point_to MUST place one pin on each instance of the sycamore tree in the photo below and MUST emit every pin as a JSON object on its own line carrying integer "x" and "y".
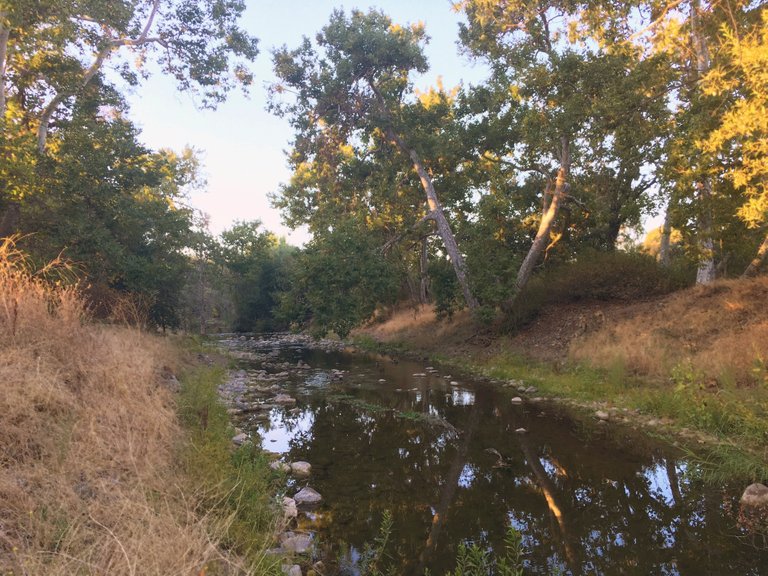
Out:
{"x": 349, "y": 96}
{"x": 51, "y": 50}
{"x": 742, "y": 131}
{"x": 563, "y": 114}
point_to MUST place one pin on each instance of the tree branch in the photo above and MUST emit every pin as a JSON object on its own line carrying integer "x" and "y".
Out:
{"x": 110, "y": 44}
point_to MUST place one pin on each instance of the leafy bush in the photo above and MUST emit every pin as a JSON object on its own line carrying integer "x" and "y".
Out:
{"x": 605, "y": 276}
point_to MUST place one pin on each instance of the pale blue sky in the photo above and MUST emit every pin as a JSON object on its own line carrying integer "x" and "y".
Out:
{"x": 242, "y": 145}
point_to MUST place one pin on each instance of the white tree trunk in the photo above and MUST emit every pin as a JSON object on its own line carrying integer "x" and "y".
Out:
{"x": 762, "y": 252}
{"x": 705, "y": 274}
{"x": 4, "y": 36}
{"x": 549, "y": 213}
{"x": 665, "y": 240}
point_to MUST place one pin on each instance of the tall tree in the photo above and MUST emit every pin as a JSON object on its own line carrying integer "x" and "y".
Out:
{"x": 566, "y": 113}
{"x": 353, "y": 89}
{"x": 742, "y": 131}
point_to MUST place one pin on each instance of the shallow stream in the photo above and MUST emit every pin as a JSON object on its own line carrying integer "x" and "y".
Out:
{"x": 454, "y": 461}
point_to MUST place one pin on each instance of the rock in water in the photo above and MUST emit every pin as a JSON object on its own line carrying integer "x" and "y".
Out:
{"x": 289, "y": 508}
{"x": 280, "y": 467}
{"x": 602, "y": 415}
{"x": 301, "y": 469}
{"x": 755, "y": 495}
{"x": 298, "y": 543}
{"x": 307, "y": 497}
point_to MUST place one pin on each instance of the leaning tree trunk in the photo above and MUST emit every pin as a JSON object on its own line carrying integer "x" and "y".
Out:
{"x": 762, "y": 252}
{"x": 435, "y": 209}
{"x": 443, "y": 226}
{"x": 548, "y": 216}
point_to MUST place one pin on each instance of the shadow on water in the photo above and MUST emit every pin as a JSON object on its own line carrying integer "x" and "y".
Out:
{"x": 445, "y": 456}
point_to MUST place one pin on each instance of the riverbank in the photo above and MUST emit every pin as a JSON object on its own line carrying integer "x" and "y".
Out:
{"x": 110, "y": 463}
{"x": 691, "y": 366}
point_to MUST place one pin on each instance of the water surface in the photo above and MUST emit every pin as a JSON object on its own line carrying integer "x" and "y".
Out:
{"x": 446, "y": 456}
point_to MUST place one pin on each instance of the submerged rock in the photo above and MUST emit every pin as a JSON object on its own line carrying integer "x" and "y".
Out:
{"x": 283, "y": 399}
{"x": 755, "y": 495}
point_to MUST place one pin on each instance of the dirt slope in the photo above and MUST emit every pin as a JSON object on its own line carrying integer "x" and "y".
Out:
{"x": 718, "y": 331}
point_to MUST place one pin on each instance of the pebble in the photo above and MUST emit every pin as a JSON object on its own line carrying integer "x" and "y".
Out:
{"x": 516, "y": 400}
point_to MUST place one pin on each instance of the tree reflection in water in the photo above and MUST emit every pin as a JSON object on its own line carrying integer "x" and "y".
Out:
{"x": 587, "y": 500}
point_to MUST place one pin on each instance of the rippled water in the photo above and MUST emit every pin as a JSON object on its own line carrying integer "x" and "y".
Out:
{"x": 442, "y": 455}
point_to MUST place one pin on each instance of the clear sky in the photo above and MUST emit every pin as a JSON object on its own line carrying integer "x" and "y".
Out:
{"x": 242, "y": 146}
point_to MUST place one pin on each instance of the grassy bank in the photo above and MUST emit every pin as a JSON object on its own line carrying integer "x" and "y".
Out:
{"x": 690, "y": 366}
{"x": 99, "y": 475}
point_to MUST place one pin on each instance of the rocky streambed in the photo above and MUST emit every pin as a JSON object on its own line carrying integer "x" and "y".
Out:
{"x": 451, "y": 459}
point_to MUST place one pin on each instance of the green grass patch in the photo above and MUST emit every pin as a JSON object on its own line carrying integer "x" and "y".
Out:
{"x": 735, "y": 418}
{"x": 235, "y": 487}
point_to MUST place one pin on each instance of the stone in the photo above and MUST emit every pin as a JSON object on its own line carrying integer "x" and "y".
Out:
{"x": 755, "y": 495}
{"x": 240, "y": 439}
{"x": 296, "y": 543}
{"x": 289, "y": 508}
{"x": 602, "y": 415}
{"x": 517, "y": 400}
{"x": 293, "y": 570}
{"x": 301, "y": 469}
{"x": 454, "y": 383}
{"x": 307, "y": 497}
{"x": 521, "y": 431}
{"x": 281, "y": 467}
{"x": 283, "y": 399}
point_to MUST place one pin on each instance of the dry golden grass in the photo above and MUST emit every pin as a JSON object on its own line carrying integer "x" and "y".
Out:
{"x": 88, "y": 437}
{"x": 719, "y": 332}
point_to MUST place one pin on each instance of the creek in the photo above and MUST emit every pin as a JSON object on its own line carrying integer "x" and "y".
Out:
{"x": 454, "y": 460}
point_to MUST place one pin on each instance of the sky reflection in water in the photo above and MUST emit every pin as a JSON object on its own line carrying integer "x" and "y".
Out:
{"x": 446, "y": 462}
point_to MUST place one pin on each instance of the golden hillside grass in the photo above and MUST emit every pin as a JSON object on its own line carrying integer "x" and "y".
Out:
{"x": 716, "y": 334}
{"x": 88, "y": 436}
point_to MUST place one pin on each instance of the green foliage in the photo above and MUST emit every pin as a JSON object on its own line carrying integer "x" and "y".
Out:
{"x": 339, "y": 280}
{"x": 114, "y": 209}
{"x": 609, "y": 276}
{"x": 472, "y": 560}
{"x": 373, "y": 559}
{"x": 260, "y": 266}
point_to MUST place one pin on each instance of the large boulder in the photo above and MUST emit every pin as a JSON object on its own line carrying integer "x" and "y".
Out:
{"x": 307, "y": 497}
